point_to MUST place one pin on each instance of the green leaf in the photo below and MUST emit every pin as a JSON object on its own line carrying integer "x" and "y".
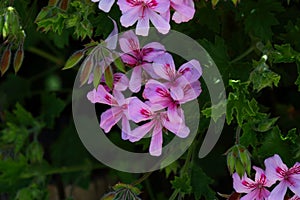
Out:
{"x": 261, "y": 17}
{"x": 262, "y": 76}
{"x": 51, "y": 108}
{"x": 172, "y": 168}
{"x": 219, "y": 111}
{"x": 238, "y": 104}
{"x": 23, "y": 116}
{"x": 200, "y": 184}
{"x": 284, "y": 54}
{"x": 109, "y": 79}
{"x": 182, "y": 184}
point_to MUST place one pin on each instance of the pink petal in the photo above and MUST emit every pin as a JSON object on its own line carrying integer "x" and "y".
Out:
{"x": 295, "y": 197}
{"x": 183, "y": 12}
{"x": 124, "y": 5}
{"x": 112, "y": 39}
{"x": 272, "y": 165}
{"x": 142, "y": 27}
{"x": 148, "y": 67}
{"x": 139, "y": 132}
{"x": 101, "y": 96}
{"x": 177, "y": 93}
{"x": 191, "y": 70}
{"x": 294, "y": 185}
{"x": 109, "y": 118}
{"x": 173, "y": 114}
{"x": 179, "y": 129}
{"x": 156, "y": 141}
{"x": 129, "y": 59}
{"x": 139, "y": 111}
{"x": 130, "y": 17}
{"x": 164, "y": 67}
{"x": 129, "y": 42}
{"x": 239, "y": 184}
{"x": 126, "y": 131}
{"x": 152, "y": 50}
{"x": 166, "y": 15}
{"x": 136, "y": 79}
{"x": 159, "y": 22}
{"x": 191, "y": 92}
{"x": 162, "y": 6}
{"x": 278, "y": 192}
{"x": 121, "y": 82}
{"x": 106, "y": 5}
{"x": 253, "y": 195}
{"x": 157, "y": 93}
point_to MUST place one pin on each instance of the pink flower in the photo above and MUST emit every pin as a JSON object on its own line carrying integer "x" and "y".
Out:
{"x": 144, "y": 11}
{"x": 139, "y": 58}
{"x": 139, "y": 111}
{"x": 158, "y": 93}
{"x": 117, "y": 112}
{"x": 276, "y": 170}
{"x": 295, "y": 197}
{"x": 184, "y": 84}
{"x": 120, "y": 82}
{"x": 184, "y": 11}
{"x": 256, "y": 190}
{"x": 104, "y": 5}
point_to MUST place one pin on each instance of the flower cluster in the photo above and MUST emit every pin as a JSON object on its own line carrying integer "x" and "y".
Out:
{"x": 156, "y": 11}
{"x": 275, "y": 171}
{"x": 165, "y": 90}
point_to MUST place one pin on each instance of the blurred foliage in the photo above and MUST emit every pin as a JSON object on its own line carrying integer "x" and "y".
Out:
{"x": 255, "y": 44}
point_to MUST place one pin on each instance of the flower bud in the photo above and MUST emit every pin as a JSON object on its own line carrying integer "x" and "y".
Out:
{"x": 86, "y": 69}
{"x": 239, "y": 168}
{"x": 244, "y": 157}
{"x": 5, "y": 60}
{"x": 231, "y": 162}
{"x": 74, "y": 59}
{"x": 18, "y": 59}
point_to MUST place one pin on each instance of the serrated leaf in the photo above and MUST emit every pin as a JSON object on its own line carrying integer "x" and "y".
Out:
{"x": 262, "y": 77}
{"x": 219, "y": 110}
{"x": 23, "y": 116}
{"x": 261, "y": 18}
{"x": 284, "y": 54}
{"x": 200, "y": 184}
{"x": 182, "y": 184}
{"x": 74, "y": 59}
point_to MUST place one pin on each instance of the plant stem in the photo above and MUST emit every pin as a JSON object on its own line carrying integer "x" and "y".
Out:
{"x": 144, "y": 177}
{"x": 46, "y": 55}
{"x": 184, "y": 168}
{"x": 61, "y": 170}
{"x": 237, "y": 135}
{"x": 243, "y": 55}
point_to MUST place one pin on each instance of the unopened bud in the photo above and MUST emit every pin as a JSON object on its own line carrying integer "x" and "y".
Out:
{"x": 86, "y": 69}
{"x": 18, "y": 59}
{"x": 5, "y": 60}
{"x": 74, "y": 59}
{"x": 231, "y": 162}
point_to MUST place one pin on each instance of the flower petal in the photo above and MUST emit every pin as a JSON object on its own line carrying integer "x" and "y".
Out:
{"x": 106, "y": 5}
{"x": 279, "y": 191}
{"x": 136, "y": 79}
{"x": 139, "y": 111}
{"x": 109, "y": 118}
{"x": 101, "y": 96}
{"x": 191, "y": 92}
{"x": 121, "y": 82}
{"x": 156, "y": 141}
{"x": 157, "y": 93}
{"x": 294, "y": 185}
{"x": 159, "y": 22}
{"x": 272, "y": 165}
{"x": 239, "y": 184}
{"x": 139, "y": 132}
{"x": 164, "y": 67}
{"x": 191, "y": 70}
{"x": 152, "y": 50}
{"x": 112, "y": 39}
{"x": 130, "y": 17}
{"x": 142, "y": 27}
{"x": 129, "y": 42}
{"x": 126, "y": 131}
{"x": 179, "y": 129}
{"x": 253, "y": 195}
{"x": 184, "y": 10}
